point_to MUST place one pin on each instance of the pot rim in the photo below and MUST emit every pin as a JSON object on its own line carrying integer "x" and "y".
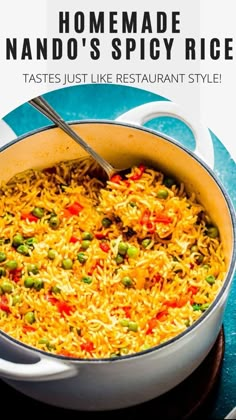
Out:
{"x": 229, "y": 275}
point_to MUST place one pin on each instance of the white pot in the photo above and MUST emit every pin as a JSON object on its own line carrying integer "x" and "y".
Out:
{"x": 133, "y": 379}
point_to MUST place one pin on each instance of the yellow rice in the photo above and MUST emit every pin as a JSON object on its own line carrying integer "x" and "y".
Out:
{"x": 112, "y": 303}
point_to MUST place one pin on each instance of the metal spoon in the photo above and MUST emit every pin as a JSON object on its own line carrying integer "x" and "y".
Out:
{"x": 42, "y": 105}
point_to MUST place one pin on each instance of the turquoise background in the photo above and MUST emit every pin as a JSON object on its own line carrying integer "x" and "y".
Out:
{"x": 108, "y": 102}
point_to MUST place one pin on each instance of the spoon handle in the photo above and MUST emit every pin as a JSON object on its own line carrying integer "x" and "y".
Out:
{"x": 43, "y": 106}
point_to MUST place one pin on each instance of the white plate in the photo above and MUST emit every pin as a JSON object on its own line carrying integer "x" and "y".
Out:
{"x": 6, "y": 133}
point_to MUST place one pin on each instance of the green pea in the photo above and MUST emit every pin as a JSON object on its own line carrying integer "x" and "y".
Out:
{"x": 29, "y": 282}
{"x": 87, "y": 236}
{"x": 2, "y": 272}
{"x": 124, "y": 322}
{"x": 54, "y": 222}
{"x": 132, "y": 204}
{"x": 127, "y": 281}
{"x": 124, "y": 351}
{"x": 87, "y": 279}
{"x": 43, "y": 340}
{"x": 205, "y": 306}
{"x": 194, "y": 248}
{"x": 169, "y": 182}
{"x": 55, "y": 289}
{"x": 212, "y": 232}
{"x": 196, "y": 307}
{"x": 132, "y": 251}
{"x": 82, "y": 257}
{"x": 133, "y": 326}
{"x": 162, "y": 194}
{"x": 145, "y": 347}
{"x": 30, "y": 317}
{"x": 17, "y": 240}
{"x": 210, "y": 279}
{"x": 6, "y": 287}
{"x": 119, "y": 259}
{"x": 85, "y": 244}
{"x": 106, "y": 222}
{"x": 23, "y": 249}
{"x": 146, "y": 242}
{"x": 51, "y": 254}
{"x": 30, "y": 242}
{"x": 47, "y": 343}
{"x": 122, "y": 248}
{"x": 199, "y": 259}
{"x": 38, "y": 284}
{"x": 50, "y": 347}
{"x": 3, "y": 256}
{"x": 113, "y": 355}
{"x": 32, "y": 269}
{"x": 38, "y": 212}
{"x": 11, "y": 265}
{"x": 67, "y": 264}
{"x": 16, "y": 299}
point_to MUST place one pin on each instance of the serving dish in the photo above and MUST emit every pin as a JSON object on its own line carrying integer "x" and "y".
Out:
{"x": 129, "y": 380}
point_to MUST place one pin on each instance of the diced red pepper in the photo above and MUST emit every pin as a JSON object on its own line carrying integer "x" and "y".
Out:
{"x": 161, "y": 218}
{"x": 104, "y": 246}
{"x": 139, "y": 172}
{"x": 156, "y": 278}
{"x": 171, "y": 303}
{"x": 97, "y": 264}
{"x": 4, "y": 304}
{"x": 67, "y": 213}
{"x": 50, "y": 298}
{"x": 88, "y": 346}
{"x": 116, "y": 179}
{"x": 74, "y": 208}
{"x": 64, "y": 308}
{"x": 145, "y": 217}
{"x": 29, "y": 216}
{"x": 66, "y": 353}
{"x": 182, "y": 301}
{"x": 145, "y": 220}
{"x": 152, "y": 323}
{"x": 99, "y": 235}
{"x": 73, "y": 239}
{"x": 161, "y": 316}
{"x": 150, "y": 227}
{"x": 193, "y": 290}
{"x": 127, "y": 310}
{"x": 28, "y": 328}
{"x": 15, "y": 275}
{"x": 176, "y": 303}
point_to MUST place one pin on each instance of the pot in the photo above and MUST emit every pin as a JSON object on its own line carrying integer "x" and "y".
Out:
{"x": 108, "y": 384}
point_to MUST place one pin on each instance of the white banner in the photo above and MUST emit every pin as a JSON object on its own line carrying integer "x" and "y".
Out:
{"x": 182, "y": 50}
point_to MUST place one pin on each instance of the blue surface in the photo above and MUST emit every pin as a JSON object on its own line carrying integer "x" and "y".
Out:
{"x": 108, "y": 102}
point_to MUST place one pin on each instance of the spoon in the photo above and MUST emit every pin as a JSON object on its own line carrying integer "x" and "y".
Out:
{"x": 43, "y": 106}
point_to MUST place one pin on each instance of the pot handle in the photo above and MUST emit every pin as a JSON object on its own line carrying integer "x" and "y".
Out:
{"x": 143, "y": 113}
{"x": 44, "y": 370}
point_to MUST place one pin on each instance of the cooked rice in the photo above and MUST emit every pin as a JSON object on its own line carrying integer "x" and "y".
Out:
{"x": 153, "y": 262}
